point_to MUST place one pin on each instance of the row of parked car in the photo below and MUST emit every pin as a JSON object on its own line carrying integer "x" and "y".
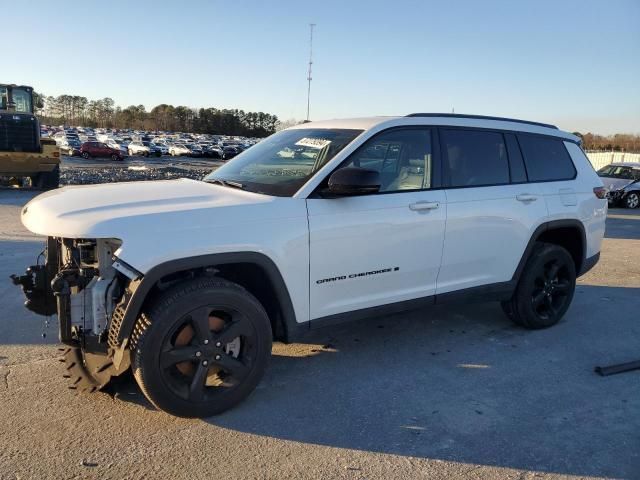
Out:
{"x": 116, "y": 144}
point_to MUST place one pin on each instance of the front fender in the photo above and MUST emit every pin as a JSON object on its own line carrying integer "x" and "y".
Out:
{"x": 140, "y": 288}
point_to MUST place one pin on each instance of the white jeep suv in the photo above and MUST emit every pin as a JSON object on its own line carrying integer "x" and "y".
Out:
{"x": 188, "y": 282}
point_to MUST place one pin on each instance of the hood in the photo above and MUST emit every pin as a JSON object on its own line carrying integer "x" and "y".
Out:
{"x": 120, "y": 210}
{"x": 613, "y": 184}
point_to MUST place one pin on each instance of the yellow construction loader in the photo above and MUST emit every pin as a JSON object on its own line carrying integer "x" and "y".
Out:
{"x": 22, "y": 152}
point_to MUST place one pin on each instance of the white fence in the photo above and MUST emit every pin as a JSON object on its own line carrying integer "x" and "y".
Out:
{"x": 600, "y": 159}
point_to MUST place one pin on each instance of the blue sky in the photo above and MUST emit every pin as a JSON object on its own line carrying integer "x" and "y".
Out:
{"x": 573, "y": 63}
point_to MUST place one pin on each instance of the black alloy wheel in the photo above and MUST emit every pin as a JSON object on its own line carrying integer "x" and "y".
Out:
{"x": 211, "y": 348}
{"x": 553, "y": 286}
{"x": 202, "y": 348}
{"x": 545, "y": 288}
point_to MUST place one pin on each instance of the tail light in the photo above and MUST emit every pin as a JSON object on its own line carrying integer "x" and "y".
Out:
{"x": 600, "y": 192}
{"x": 56, "y": 154}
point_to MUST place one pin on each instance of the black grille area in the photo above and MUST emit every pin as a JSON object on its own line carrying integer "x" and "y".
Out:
{"x": 19, "y": 133}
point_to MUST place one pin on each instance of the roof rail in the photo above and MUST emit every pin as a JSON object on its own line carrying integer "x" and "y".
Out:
{"x": 481, "y": 117}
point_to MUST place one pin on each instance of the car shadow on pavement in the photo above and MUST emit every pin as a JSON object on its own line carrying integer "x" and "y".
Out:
{"x": 623, "y": 224}
{"x": 462, "y": 384}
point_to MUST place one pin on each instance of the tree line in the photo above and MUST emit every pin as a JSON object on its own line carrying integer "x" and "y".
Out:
{"x": 620, "y": 142}
{"x": 75, "y": 110}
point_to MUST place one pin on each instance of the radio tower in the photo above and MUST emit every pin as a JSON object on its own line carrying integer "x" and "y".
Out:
{"x": 311, "y": 25}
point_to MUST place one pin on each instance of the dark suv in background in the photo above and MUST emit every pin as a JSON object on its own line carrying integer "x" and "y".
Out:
{"x": 99, "y": 149}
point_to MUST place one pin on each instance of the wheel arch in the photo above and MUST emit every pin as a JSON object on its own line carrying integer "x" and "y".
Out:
{"x": 254, "y": 271}
{"x": 567, "y": 233}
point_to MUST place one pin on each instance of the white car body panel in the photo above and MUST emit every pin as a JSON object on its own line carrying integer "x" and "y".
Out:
{"x": 350, "y": 236}
{"x": 167, "y": 220}
{"x": 591, "y": 211}
{"x": 487, "y": 231}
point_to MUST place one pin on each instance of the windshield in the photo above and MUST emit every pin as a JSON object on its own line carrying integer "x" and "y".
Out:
{"x": 282, "y": 163}
{"x": 22, "y": 99}
{"x": 3, "y": 98}
{"x": 615, "y": 171}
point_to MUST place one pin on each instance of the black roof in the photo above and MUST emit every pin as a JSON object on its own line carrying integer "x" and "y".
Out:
{"x": 13, "y": 85}
{"x": 481, "y": 117}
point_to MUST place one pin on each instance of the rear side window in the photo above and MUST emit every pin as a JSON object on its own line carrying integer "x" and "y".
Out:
{"x": 475, "y": 158}
{"x": 546, "y": 158}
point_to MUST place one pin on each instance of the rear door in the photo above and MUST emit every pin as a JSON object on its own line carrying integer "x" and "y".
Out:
{"x": 549, "y": 165}
{"x": 491, "y": 209}
{"x": 382, "y": 248}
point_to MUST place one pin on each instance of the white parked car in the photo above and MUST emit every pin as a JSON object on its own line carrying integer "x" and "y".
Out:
{"x": 189, "y": 285}
{"x": 178, "y": 149}
{"x": 138, "y": 148}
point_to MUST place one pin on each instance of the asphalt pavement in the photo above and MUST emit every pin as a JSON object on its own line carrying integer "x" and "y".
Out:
{"x": 444, "y": 392}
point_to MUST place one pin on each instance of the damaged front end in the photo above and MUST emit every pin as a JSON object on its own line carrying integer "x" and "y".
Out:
{"x": 36, "y": 282}
{"x": 84, "y": 284}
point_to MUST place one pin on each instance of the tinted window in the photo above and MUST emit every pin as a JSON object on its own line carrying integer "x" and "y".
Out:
{"x": 475, "y": 158}
{"x": 516, "y": 162}
{"x": 546, "y": 158}
{"x": 402, "y": 157}
{"x": 615, "y": 171}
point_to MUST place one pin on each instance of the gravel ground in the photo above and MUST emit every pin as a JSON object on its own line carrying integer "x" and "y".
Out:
{"x": 440, "y": 393}
{"x": 77, "y": 171}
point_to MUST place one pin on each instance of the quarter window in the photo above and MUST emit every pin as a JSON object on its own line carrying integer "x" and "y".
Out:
{"x": 403, "y": 158}
{"x": 546, "y": 158}
{"x": 475, "y": 158}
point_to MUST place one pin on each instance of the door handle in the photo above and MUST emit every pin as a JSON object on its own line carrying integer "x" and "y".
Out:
{"x": 526, "y": 197}
{"x": 424, "y": 206}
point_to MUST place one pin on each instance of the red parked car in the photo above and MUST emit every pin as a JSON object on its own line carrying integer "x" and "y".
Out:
{"x": 99, "y": 149}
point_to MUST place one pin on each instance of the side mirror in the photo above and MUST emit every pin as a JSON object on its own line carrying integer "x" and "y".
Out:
{"x": 354, "y": 181}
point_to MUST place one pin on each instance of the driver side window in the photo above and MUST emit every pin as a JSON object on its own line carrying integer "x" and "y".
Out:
{"x": 402, "y": 157}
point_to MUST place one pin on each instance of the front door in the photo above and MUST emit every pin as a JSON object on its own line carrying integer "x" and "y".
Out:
{"x": 381, "y": 248}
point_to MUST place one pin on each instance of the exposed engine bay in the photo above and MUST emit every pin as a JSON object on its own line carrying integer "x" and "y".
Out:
{"x": 81, "y": 281}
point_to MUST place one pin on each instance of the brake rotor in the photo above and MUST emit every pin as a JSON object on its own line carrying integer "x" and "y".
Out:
{"x": 184, "y": 337}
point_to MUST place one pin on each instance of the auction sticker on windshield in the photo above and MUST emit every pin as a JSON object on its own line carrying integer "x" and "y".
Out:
{"x": 318, "y": 143}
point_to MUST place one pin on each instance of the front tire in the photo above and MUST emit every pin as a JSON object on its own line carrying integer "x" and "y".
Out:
{"x": 545, "y": 288}
{"x": 632, "y": 200}
{"x": 86, "y": 155}
{"x": 201, "y": 348}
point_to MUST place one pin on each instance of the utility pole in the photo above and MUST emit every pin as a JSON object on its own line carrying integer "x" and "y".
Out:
{"x": 311, "y": 25}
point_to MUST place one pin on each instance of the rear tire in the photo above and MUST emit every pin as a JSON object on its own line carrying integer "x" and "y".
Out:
{"x": 545, "y": 288}
{"x": 197, "y": 322}
{"x": 86, "y": 155}
{"x": 632, "y": 200}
